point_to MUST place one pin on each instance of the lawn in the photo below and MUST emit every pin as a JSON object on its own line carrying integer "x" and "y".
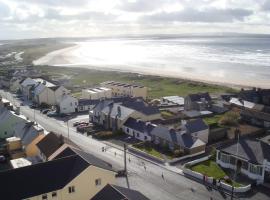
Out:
{"x": 148, "y": 150}
{"x": 166, "y": 115}
{"x": 210, "y": 168}
{"x": 158, "y": 86}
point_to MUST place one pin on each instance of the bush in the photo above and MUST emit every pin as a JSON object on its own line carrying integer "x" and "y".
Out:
{"x": 177, "y": 153}
{"x": 230, "y": 119}
{"x": 213, "y": 154}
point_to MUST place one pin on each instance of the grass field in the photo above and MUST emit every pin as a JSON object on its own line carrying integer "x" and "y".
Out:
{"x": 158, "y": 86}
{"x": 211, "y": 169}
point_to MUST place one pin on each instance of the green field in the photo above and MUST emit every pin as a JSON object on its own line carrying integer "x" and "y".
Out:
{"x": 158, "y": 86}
{"x": 211, "y": 169}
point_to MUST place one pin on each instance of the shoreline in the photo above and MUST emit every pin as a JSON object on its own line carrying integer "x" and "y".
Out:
{"x": 51, "y": 58}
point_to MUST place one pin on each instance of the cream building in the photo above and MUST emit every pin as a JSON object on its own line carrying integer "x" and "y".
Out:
{"x": 125, "y": 89}
{"x": 97, "y": 93}
{"x": 74, "y": 177}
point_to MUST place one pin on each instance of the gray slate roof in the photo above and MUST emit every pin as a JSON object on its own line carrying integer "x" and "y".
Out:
{"x": 254, "y": 151}
{"x": 199, "y": 96}
{"x": 139, "y": 125}
{"x": 113, "y": 192}
{"x": 196, "y": 125}
{"x": 141, "y": 107}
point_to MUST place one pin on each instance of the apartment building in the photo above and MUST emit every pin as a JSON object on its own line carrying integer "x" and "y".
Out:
{"x": 125, "y": 89}
{"x": 97, "y": 93}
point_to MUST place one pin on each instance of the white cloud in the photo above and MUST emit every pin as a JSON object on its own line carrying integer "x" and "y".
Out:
{"x": 50, "y": 18}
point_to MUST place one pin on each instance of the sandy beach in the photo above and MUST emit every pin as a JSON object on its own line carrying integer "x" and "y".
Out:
{"x": 163, "y": 60}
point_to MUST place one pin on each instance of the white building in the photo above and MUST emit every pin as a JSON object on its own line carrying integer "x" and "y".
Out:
{"x": 174, "y": 100}
{"x": 67, "y": 104}
{"x": 248, "y": 157}
{"x": 97, "y": 93}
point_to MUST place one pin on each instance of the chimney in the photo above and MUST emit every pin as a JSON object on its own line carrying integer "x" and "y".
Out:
{"x": 138, "y": 120}
{"x": 44, "y": 82}
{"x": 17, "y": 110}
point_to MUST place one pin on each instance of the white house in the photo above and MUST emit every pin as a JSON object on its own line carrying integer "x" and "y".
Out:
{"x": 67, "y": 104}
{"x": 97, "y": 93}
{"x": 248, "y": 157}
{"x": 138, "y": 129}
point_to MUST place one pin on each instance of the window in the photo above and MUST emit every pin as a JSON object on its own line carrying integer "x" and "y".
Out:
{"x": 127, "y": 130}
{"x": 145, "y": 137}
{"x": 232, "y": 160}
{"x": 71, "y": 189}
{"x": 54, "y": 194}
{"x": 76, "y": 104}
{"x": 98, "y": 181}
{"x": 225, "y": 158}
{"x": 44, "y": 196}
{"x": 138, "y": 134}
{"x": 255, "y": 169}
{"x": 5, "y": 132}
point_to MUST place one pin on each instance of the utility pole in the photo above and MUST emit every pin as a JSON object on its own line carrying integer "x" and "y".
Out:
{"x": 68, "y": 128}
{"x": 34, "y": 115}
{"x": 125, "y": 158}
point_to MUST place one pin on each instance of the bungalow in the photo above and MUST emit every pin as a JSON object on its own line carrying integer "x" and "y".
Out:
{"x": 248, "y": 157}
{"x": 199, "y": 102}
{"x": 197, "y": 128}
{"x": 113, "y": 192}
{"x": 80, "y": 176}
{"x": 138, "y": 129}
{"x": 67, "y": 104}
{"x": 177, "y": 140}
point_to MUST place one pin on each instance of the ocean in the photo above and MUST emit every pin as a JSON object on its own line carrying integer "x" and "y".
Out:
{"x": 236, "y": 60}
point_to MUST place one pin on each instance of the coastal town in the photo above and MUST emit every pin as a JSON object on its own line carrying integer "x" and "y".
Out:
{"x": 114, "y": 141}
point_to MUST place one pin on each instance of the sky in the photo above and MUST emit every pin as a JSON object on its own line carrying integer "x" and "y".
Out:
{"x": 85, "y": 18}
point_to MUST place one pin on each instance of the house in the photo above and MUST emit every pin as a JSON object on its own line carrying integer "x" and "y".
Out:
{"x": 25, "y": 86}
{"x": 257, "y": 118}
{"x": 112, "y": 115}
{"x": 66, "y": 178}
{"x": 14, "y": 147}
{"x": 31, "y": 149}
{"x": 87, "y": 104}
{"x": 173, "y": 100}
{"x": 67, "y": 104}
{"x": 256, "y": 95}
{"x": 49, "y": 144}
{"x": 248, "y": 156}
{"x": 113, "y": 192}
{"x": 138, "y": 129}
{"x": 243, "y": 104}
{"x": 146, "y": 111}
{"x": 197, "y": 128}
{"x": 8, "y": 120}
{"x": 199, "y": 101}
{"x": 177, "y": 140}
{"x": 97, "y": 93}
{"x": 125, "y": 89}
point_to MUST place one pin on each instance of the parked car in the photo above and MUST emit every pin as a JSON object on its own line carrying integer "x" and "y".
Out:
{"x": 52, "y": 114}
{"x": 83, "y": 128}
{"x": 80, "y": 123}
{"x": 45, "y": 111}
{"x": 33, "y": 106}
{"x": 2, "y": 159}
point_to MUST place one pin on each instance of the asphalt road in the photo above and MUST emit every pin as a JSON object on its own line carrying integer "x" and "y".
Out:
{"x": 142, "y": 175}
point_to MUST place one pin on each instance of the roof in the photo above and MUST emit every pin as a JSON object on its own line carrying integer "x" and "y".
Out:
{"x": 254, "y": 151}
{"x": 86, "y": 102}
{"x": 141, "y": 107}
{"x": 113, "y": 192}
{"x": 256, "y": 114}
{"x": 55, "y": 87}
{"x": 200, "y": 96}
{"x": 175, "y": 99}
{"x": 115, "y": 83}
{"x": 196, "y": 125}
{"x": 138, "y": 125}
{"x": 49, "y": 144}
{"x": 40, "y": 178}
{"x": 117, "y": 110}
{"x": 67, "y": 150}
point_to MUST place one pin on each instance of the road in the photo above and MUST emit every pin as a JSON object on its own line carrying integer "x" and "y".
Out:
{"x": 143, "y": 175}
